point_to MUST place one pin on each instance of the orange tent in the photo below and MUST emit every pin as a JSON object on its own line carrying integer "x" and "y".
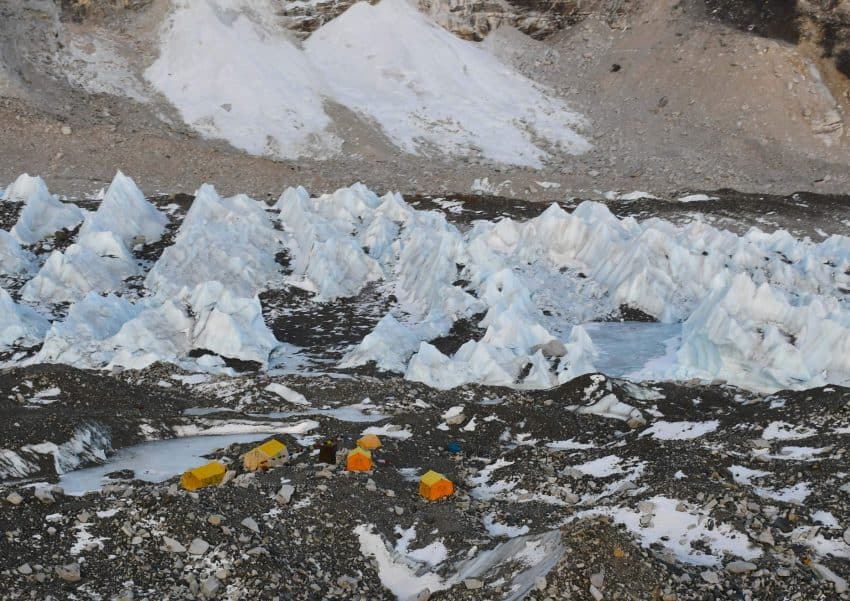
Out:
{"x": 359, "y": 460}
{"x": 206, "y": 475}
{"x": 433, "y": 486}
{"x": 370, "y": 442}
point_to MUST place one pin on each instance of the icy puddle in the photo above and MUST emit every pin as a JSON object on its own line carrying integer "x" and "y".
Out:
{"x": 152, "y": 461}
{"x": 626, "y": 348}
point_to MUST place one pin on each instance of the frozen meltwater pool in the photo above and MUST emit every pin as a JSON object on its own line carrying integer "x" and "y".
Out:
{"x": 627, "y": 348}
{"x": 154, "y": 461}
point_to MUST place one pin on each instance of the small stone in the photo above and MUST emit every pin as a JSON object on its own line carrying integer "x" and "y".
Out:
{"x": 198, "y": 547}
{"x": 14, "y": 498}
{"x": 284, "y": 495}
{"x": 741, "y": 567}
{"x": 456, "y": 419}
{"x": 45, "y": 495}
{"x": 210, "y": 587}
{"x": 390, "y": 493}
{"x": 710, "y": 577}
{"x": 251, "y": 524}
{"x": 646, "y": 506}
{"x": 597, "y": 580}
{"x": 595, "y": 593}
{"x": 371, "y": 486}
{"x": 258, "y": 551}
{"x": 215, "y": 519}
{"x": 847, "y": 536}
{"x": 765, "y": 537}
{"x": 398, "y": 510}
{"x": 645, "y": 521}
{"x": 347, "y": 582}
{"x": 540, "y": 583}
{"x": 669, "y": 597}
{"x": 681, "y": 507}
{"x": 424, "y": 595}
{"x": 473, "y": 584}
{"x": 173, "y": 545}
{"x": 125, "y": 595}
{"x": 324, "y": 474}
{"x": 25, "y": 569}
{"x": 66, "y": 130}
{"x": 69, "y": 572}
{"x": 83, "y": 517}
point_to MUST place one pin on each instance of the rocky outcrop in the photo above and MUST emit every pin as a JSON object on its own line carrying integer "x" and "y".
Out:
{"x": 306, "y": 17}
{"x": 78, "y": 10}
{"x": 474, "y": 19}
{"x": 824, "y": 23}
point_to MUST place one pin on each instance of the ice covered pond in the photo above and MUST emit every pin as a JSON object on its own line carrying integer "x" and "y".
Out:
{"x": 154, "y": 461}
{"x": 630, "y": 348}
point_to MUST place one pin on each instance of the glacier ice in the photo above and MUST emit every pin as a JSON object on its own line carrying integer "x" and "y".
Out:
{"x": 228, "y": 239}
{"x": 43, "y": 214}
{"x": 510, "y": 303}
{"x": 19, "y": 324}
{"x": 126, "y": 213}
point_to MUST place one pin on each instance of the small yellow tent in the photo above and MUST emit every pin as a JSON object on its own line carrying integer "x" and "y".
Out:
{"x": 370, "y": 442}
{"x": 358, "y": 460}
{"x": 433, "y": 486}
{"x": 260, "y": 457}
{"x": 206, "y": 475}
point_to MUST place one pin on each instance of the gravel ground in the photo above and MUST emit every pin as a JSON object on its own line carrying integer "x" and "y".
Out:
{"x": 132, "y": 537}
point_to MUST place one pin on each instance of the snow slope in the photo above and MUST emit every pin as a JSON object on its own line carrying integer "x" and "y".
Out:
{"x": 233, "y": 74}
{"x": 430, "y": 89}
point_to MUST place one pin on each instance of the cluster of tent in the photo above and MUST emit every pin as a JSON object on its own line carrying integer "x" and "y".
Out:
{"x": 272, "y": 453}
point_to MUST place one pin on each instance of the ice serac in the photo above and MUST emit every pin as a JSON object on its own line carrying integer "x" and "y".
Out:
{"x": 77, "y": 340}
{"x": 14, "y": 260}
{"x": 430, "y": 90}
{"x": 98, "y": 262}
{"x": 126, "y": 213}
{"x": 322, "y": 244}
{"x": 753, "y": 335}
{"x": 43, "y": 214}
{"x": 230, "y": 239}
{"x": 19, "y": 324}
{"x": 230, "y": 326}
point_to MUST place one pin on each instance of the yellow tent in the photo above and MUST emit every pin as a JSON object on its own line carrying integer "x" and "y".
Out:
{"x": 358, "y": 460}
{"x": 260, "y": 457}
{"x": 433, "y": 486}
{"x": 206, "y": 475}
{"x": 370, "y": 442}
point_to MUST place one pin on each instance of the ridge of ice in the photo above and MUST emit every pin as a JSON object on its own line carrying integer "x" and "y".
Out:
{"x": 126, "y": 213}
{"x": 43, "y": 214}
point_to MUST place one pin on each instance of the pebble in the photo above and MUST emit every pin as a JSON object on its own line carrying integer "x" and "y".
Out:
{"x": 595, "y": 593}
{"x": 25, "y": 569}
{"x": 646, "y": 506}
{"x": 284, "y": 495}
{"x": 173, "y": 545}
{"x": 215, "y": 519}
{"x": 710, "y": 577}
{"x": 66, "y": 130}
{"x": 210, "y": 586}
{"x": 371, "y": 486}
{"x": 847, "y": 536}
{"x": 251, "y": 524}
{"x": 741, "y": 567}
{"x": 473, "y": 584}
{"x": 398, "y": 510}
{"x": 597, "y": 580}
{"x": 69, "y": 572}
{"x": 766, "y": 538}
{"x": 125, "y": 595}
{"x": 198, "y": 547}
{"x": 14, "y": 498}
